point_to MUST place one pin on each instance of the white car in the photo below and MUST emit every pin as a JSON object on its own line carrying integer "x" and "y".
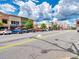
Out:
{"x": 5, "y": 31}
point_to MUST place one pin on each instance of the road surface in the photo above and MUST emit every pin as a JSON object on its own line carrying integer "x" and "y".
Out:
{"x": 46, "y": 45}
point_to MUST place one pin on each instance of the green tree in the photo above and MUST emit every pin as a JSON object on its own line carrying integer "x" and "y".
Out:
{"x": 52, "y": 25}
{"x": 24, "y": 21}
{"x": 73, "y": 28}
{"x": 1, "y": 23}
{"x": 43, "y": 26}
{"x": 28, "y": 23}
{"x": 58, "y": 27}
{"x": 55, "y": 26}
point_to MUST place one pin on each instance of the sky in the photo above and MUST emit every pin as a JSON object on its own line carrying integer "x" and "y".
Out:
{"x": 43, "y": 10}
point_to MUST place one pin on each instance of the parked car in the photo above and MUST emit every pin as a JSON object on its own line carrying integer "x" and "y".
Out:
{"x": 38, "y": 30}
{"x": 5, "y": 32}
{"x": 17, "y": 31}
{"x": 43, "y": 30}
{"x": 50, "y": 29}
{"x": 30, "y": 30}
{"x": 24, "y": 30}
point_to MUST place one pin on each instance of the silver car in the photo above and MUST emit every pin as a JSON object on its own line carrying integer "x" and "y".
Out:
{"x": 5, "y": 32}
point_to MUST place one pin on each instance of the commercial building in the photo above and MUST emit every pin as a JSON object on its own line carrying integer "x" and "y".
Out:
{"x": 10, "y": 21}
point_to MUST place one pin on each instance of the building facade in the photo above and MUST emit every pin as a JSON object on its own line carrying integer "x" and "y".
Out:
{"x": 10, "y": 21}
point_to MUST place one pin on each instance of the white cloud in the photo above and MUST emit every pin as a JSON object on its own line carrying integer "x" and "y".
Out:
{"x": 31, "y": 10}
{"x": 55, "y": 20}
{"x": 18, "y": 2}
{"x": 35, "y": 0}
{"x": 66, "y": 21}
{"x": 46, "y": 9}
{"x": 67, "y": 9}
{"x": 2, "y": 11}
{"x": 7, "y": 8}
{"x": 21, "y": 2}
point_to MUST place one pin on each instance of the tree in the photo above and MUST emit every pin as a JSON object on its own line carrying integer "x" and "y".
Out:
{"x": 28, "y": 23}
{"x": 1, "y": 23}
{"x": 55, "y": 26}
{"x": 52, "y": 25}
{"x": 43, "y": 26}
{"x": 73, "y": 28}
{"x": 58, "y": 27}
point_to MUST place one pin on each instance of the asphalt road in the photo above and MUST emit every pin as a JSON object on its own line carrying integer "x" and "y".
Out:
{"x": 46, "y": 45}
{"x": 25, "y": 35}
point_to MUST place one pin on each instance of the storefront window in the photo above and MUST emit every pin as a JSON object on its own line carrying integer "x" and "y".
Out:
{"x": 4, "y": 21}
{"x": 15, "y": 22}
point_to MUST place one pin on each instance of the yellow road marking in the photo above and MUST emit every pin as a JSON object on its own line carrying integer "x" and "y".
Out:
{"x": 19, "y": 43}
{"x": 25, "y": 41}
{"x": 66, "y": 58}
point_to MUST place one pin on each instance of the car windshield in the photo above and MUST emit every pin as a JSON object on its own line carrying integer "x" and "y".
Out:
{"x": 3, "y": 28}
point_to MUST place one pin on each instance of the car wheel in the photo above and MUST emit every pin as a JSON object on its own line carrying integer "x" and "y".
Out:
{"x": 77, "y": 30}
{"x": 9, "y": 33}
{"x": 20, "y": 32}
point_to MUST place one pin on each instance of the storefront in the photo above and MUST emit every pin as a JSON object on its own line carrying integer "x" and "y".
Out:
{"x": 9, "y": 21}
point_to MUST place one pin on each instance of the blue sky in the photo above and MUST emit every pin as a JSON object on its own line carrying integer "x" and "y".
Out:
{"x": 42, "y": 10}
{"x": 11, "y": 2}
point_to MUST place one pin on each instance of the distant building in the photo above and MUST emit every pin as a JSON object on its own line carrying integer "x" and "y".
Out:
{"x": 64, "y": 26}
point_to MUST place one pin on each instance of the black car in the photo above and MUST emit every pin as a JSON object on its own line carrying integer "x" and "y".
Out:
{"x": 24, "y": 30}
{"x": 30, "y": 30}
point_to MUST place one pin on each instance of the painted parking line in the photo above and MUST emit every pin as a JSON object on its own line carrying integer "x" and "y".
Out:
{"x": 19, "y": 43}
{"x": 27, "y": 41}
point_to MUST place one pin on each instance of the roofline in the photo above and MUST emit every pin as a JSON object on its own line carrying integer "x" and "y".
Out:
{"x": 13, "y": 15}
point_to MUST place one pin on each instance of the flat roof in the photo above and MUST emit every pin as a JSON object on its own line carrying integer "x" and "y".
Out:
{"x": 11, "y": 15}
{"x": 14, "y": 15}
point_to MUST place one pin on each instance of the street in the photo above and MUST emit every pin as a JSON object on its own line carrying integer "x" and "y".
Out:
{"x": 40, "y": 45}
